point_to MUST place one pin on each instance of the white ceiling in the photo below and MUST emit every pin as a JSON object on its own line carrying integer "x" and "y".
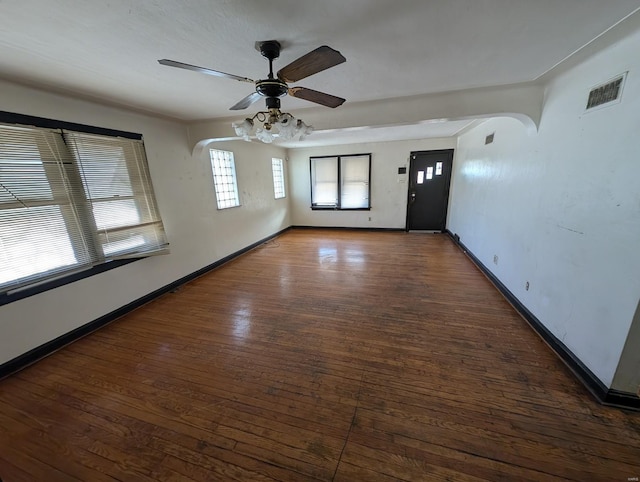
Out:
{"x": 108, "y": 50}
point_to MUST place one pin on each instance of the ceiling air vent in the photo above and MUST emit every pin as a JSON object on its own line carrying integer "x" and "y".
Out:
{"x": 607, "y": 93}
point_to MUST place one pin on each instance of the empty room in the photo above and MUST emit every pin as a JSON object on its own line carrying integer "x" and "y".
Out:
{"x": 323, "y": 241}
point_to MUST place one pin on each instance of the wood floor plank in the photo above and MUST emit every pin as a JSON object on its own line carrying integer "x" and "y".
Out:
{"x": 441, "y": 456}
{"x": 402, "y": 466}
{"x": 321, "y": 355}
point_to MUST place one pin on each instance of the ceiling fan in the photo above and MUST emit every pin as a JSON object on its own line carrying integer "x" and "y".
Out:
{"x": 272, "y": 88}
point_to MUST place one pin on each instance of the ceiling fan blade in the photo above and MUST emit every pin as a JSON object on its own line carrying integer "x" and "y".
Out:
{"x": 315, "y": 61}
{"x": 315, "y": 96}
{"x": 247, "y": 101}
{"x": 195, "y": 68}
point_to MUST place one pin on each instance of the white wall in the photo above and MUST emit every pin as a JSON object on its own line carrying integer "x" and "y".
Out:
{"x": 199, "y": 234}
{"x": 561, "y": 208}
{"x": 388, "y": 196}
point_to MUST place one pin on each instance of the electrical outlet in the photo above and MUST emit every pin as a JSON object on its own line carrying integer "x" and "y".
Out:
{"x": 369, "y": 218}
{"x": 526, "y": 286}
{"x": 495, "y": 259}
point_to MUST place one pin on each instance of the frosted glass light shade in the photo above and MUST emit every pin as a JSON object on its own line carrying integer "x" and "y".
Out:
{"x": 243, "y": 129}
{"x": 303, "y": 129}
{"x": 264, "y": 135}
{"x": 286, "y": 127}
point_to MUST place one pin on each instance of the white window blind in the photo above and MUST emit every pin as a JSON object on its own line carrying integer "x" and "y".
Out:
{"x": 354, "y": 177}
{"x": 118, "y": 186}
{"x": 324, "y": 181}
{"x": 71, "y": 200}
{"x": 341, "y": 182}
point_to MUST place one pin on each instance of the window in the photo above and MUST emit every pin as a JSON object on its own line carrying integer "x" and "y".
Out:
{"x": 324, "y": 182}
{"x": 70, "y": 201}
{"x": 278, "y": 178}
{"x": 341, "y": 182}
{"x": 224, "y": 179}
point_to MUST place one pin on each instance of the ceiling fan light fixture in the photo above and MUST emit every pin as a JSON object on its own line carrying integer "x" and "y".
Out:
{"x": 275, "y": 124}
{"x": 275, "y": 86}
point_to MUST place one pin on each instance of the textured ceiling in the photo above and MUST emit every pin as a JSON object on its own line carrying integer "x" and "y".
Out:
{"x": 108, "y": 50}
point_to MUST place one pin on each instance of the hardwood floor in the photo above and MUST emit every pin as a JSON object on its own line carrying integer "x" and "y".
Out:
{"x": 321, "y": 355}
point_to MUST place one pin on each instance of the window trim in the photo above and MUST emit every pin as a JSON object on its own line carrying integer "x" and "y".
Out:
{"x": 28, "y": 120}
{"x": 25, "y": 291}
{"x": 337, "y": 206}
{"x": 37, "y": 287}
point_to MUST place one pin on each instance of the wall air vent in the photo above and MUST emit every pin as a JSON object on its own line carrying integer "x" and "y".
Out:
{"x": 606, "y": 94}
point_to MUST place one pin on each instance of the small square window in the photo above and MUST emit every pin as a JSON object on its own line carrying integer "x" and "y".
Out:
{"x": 224, "y": 179}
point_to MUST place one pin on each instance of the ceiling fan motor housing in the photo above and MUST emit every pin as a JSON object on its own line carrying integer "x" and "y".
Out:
{"x": 273, "y": 103}
{"x": 271, "y": 87}
{"x": 270, "y": 49}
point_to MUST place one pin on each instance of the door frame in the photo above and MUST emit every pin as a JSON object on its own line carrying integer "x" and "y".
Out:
{"x": 450, "y": 155}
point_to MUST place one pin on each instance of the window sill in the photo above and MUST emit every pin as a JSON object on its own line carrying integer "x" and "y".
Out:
{"x": 334, "y": 208}
{"x": 20, "y": 293}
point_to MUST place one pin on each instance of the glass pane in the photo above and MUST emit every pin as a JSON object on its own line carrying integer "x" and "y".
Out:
{"x": 438, "y": 168}
{"x": 22, "y": 173}
{"x": 224, "y": 179}
{"x": 124, "y": 245}
{"x": 104, "y": 170}
{"x": 278, "y": 178}
{"x": 116, "y": 179}
{"x": 355, "y": 195}
{"x": 420, "y": 177}
{"x": 429, "y": 172}
{"x": 354, "y": 169}
{"x": 113, "y": 214}
{"x": 33, "y": 241}
{"x": 23, "y": 182}
{"x": 354, "y": 174}
{"x": 324, "y": 181}
{"x": 130, "y": 240}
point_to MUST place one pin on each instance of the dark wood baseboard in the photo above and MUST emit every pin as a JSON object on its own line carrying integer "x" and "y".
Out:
{"x": 32, "y": 356}
{"x": 346, "y": 228}
{"x": 617, "y": 398}
{"x": 604, "y": 395}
